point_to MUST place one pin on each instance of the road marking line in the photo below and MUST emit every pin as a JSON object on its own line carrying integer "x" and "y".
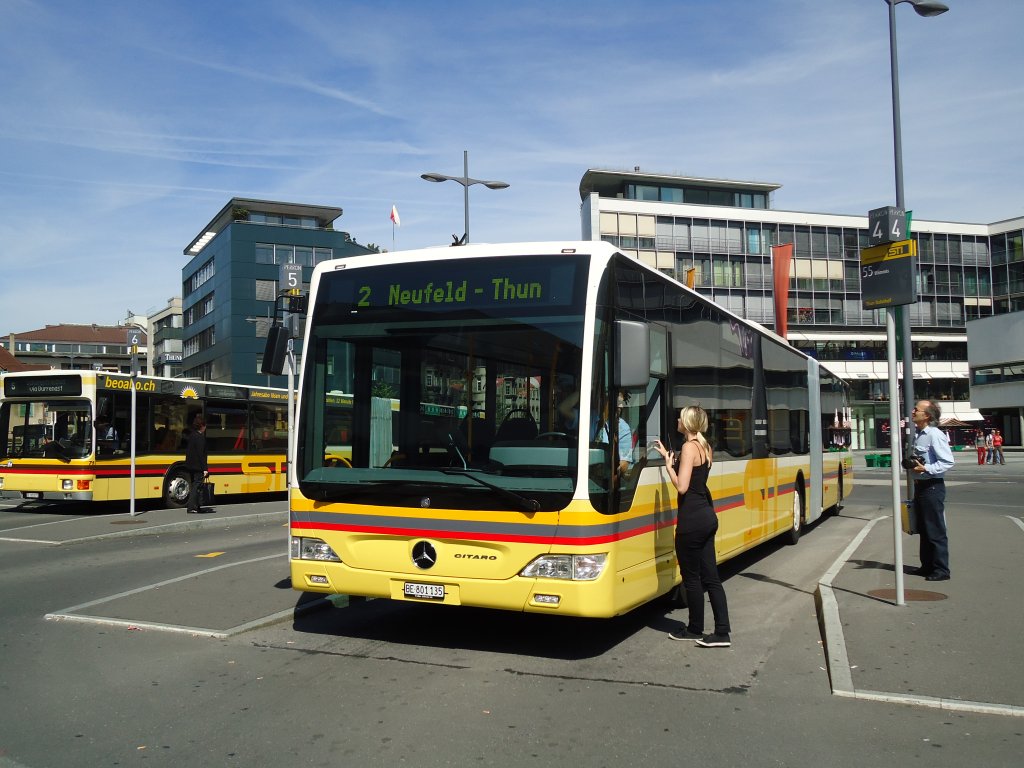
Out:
{"x": 211, "y": 554}
{"x": 28, "y": 541}
{"x": 62, "y": 613}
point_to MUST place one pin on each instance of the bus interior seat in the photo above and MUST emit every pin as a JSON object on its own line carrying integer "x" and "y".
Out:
{"x": 518, "y": 425}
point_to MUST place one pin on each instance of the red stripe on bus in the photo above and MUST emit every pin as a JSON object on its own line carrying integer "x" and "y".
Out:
{"x": 466, "y": 535}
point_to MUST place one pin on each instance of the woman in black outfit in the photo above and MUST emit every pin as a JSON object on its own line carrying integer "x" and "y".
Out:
{"x": 196, "y": 463}
{"x": 695, "y": 530}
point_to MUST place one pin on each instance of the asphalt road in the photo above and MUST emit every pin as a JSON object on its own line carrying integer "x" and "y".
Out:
{"x": 186, "y": 649}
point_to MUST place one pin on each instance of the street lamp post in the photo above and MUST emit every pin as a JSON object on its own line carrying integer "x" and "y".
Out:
{"x": 466, "y": 183}
{"x": 922, "y": 8}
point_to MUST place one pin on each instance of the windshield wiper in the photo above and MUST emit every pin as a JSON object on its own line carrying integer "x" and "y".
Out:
{"x": 530, "y": 505}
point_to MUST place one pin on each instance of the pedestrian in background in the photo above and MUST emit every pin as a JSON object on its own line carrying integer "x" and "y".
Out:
{"x": 929, "y": 462}
{"x": 989, "y": 448}
{"x": 997, "y": 448}
{"x": 196, "y": 462}
{"x": 979, "y": 444}
{"x": 695, "y": 530}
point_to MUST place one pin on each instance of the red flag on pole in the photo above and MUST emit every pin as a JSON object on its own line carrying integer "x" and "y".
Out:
{"x": 782, "y": 256}
{"x": 394, "y": 217}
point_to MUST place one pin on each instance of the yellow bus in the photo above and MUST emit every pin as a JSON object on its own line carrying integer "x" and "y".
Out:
{"x": 65, "y": 436}
{"x": 512, "y": 496}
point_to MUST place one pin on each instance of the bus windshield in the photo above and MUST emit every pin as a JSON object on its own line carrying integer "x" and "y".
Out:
{"x": 46, "y": 429}
{"x": 439, "y": 384}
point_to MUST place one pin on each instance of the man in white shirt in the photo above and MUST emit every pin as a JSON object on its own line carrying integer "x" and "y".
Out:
{"x": 930, "y": 460}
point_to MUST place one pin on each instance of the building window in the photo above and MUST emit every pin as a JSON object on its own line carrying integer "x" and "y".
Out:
{"x": 266, "y": 290}
{"x": 264, "y": 253}
{"x": 204, "y": 273}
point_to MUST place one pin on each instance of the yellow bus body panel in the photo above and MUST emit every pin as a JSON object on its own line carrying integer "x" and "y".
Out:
{"x": 480, "y": 555}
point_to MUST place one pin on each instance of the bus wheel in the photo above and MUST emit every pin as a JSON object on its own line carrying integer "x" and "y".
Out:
{"x": 798, "y": 513}
{"x": 176, "y": 488}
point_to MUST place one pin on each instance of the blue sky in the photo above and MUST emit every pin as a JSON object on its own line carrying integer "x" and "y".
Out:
{"x": 125, "y": 126}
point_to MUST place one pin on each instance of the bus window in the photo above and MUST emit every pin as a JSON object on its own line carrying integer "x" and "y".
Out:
{"x": 27, "y": 428}
{"x": 269, "y": 431}
{"x": 226, "y": 426}
{"x": 169, "y": 415}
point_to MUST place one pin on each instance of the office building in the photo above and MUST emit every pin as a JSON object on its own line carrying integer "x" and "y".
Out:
{"x": 724, "y": 230}
{"x": 163, "y": 350}
{"x": 995, "y": 353}
{"x": 230, "y": 283}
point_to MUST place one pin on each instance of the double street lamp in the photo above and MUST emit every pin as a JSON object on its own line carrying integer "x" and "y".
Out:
{"x": 466, "y": 183}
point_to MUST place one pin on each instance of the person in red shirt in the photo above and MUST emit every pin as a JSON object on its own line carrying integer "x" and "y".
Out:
{"x": 997, "y": 449}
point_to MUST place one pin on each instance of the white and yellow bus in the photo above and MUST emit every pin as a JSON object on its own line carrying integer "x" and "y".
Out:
{"x": 65, "y": 436}
{"x": 511, "y": 496}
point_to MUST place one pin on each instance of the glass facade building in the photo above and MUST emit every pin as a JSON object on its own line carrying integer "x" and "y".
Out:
{"x": 229, "y": 285}
{"x": 720, "y": 233}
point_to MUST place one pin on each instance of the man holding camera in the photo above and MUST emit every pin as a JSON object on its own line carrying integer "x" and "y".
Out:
{"x": 930, "y": 460}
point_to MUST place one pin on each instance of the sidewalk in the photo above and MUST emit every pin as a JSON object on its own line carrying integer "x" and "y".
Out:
{"x": 955, "y": 644}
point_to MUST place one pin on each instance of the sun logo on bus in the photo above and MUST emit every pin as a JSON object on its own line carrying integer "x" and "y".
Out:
{"x": 189, "y": 393}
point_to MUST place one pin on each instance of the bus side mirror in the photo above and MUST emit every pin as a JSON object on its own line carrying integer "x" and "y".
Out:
{"x": 632, "y": 354}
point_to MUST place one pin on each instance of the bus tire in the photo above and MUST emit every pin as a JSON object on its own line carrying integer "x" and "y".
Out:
{"x": 798, "y": 512}
{"x": 176, "y": 487}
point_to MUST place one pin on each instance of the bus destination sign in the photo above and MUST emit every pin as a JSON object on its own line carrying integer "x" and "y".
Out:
{"x": 512, "y": 283}
{"x": 42, "y": 386}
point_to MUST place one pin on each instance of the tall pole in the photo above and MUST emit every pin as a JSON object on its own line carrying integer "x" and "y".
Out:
{"x": 465, "y": 190}
{"x": 922, "y": 8}
{"x": 903, "y": 312}
{"x": 131, "y": 429}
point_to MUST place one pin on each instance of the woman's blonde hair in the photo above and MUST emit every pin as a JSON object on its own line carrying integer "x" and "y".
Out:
{"x": 695, "y": 419}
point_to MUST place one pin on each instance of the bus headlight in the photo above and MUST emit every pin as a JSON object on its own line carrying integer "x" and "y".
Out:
{"x": 304, "y": 548}
{"x": 569, "y": 567}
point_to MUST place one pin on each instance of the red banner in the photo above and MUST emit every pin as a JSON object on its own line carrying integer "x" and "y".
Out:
{"x": 782, "y": 257}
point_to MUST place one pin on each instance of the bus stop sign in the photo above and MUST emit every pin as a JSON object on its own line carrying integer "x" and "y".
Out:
{"x": 887, "y": 275}
{"x": 886, "y": 225}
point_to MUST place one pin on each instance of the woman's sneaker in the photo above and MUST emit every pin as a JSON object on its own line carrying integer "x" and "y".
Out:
{"x": 683, "y": 634}
{"x": 714, "y": 641}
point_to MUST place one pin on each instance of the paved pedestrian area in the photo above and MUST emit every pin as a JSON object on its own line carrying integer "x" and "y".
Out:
{"x": 954, "y": 644}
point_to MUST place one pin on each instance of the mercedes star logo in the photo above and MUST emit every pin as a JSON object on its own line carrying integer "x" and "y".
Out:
{"x": 424, "y": 555}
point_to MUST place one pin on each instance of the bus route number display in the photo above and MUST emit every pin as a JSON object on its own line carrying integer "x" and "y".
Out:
{"x": 887, "y": 275}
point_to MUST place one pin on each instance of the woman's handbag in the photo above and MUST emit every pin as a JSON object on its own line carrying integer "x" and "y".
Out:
{"x": 206, "y": 498}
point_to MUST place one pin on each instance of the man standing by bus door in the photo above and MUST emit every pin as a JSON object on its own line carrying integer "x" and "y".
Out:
{"x": 196, "y": 463}
{"x": 930, "y": 460}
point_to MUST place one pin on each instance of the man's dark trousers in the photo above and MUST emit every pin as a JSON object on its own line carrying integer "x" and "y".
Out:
{"x": 930, "y": 500}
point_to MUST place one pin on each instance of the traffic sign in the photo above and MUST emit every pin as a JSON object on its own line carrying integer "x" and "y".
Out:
{"x": 290, "y": 281}
{"x": 886, "y": 225}
{"x": 887, "y": 275}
